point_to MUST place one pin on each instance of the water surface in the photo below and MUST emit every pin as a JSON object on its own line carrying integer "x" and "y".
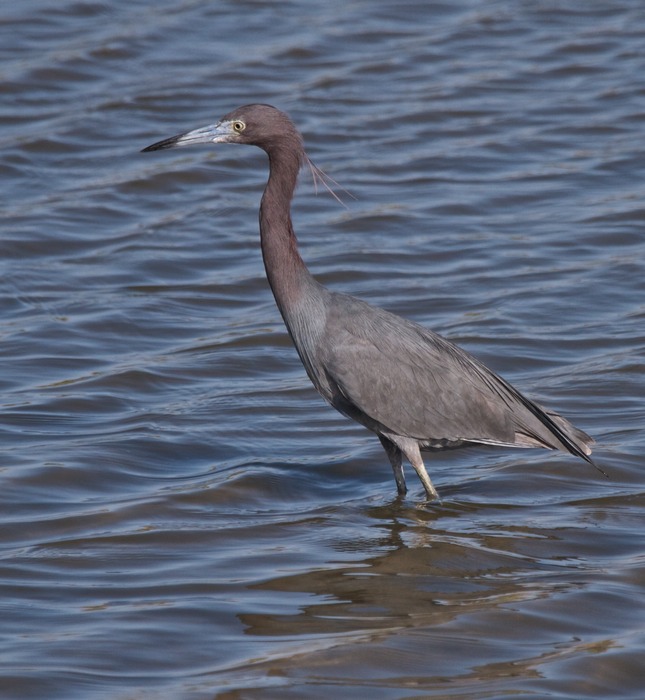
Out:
{"x": 182, "y": 516}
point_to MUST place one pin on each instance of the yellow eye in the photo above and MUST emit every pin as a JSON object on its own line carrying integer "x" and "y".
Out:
{"x": 239, "y": 126}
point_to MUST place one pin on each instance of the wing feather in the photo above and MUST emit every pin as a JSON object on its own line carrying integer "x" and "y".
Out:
{"x": 419, "y": 385}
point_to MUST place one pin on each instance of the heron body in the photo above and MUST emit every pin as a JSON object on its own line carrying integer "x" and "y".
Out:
{"x": 413, "y": 388}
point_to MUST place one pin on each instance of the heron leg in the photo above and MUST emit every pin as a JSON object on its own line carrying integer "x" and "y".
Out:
{"x": 420, "y": 469}
{"x": 396, "y": 457}
{"x": 410, "y": 449}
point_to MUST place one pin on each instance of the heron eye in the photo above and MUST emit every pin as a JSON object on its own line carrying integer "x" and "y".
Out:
{"x": 239, "y": 126}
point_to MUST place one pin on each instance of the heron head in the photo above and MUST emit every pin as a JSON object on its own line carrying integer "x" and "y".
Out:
{"x": 256, "y": 124}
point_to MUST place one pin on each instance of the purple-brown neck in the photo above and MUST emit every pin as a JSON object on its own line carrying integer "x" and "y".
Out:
{"x": 285, "y": 269}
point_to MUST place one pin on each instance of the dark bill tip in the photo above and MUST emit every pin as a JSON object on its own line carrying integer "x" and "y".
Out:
{"x": 161, "y": 145}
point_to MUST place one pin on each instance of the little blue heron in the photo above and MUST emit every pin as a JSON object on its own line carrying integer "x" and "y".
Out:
{"x": 413, "y": 388}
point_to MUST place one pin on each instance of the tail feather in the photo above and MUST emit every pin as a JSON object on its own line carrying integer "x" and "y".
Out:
{"x": 577, "y": 436}
{"x": 566, "y": 435}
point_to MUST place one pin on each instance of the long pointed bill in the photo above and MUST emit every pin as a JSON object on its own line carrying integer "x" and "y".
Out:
{"x": 215, "y": 133}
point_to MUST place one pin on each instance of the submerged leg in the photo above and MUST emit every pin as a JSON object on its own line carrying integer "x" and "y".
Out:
{"x": 420, "y": 469}
{"x": 410, "y": 449}
{"x": 395, "y": 457}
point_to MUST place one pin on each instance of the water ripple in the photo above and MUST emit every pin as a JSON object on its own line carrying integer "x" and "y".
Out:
{"x": 182, "y": 515}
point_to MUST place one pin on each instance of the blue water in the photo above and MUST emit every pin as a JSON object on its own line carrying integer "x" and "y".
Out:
{"x": 181, "y": 515}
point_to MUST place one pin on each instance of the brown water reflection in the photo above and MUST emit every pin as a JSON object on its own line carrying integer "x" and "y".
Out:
{"x": 497, "y": 610}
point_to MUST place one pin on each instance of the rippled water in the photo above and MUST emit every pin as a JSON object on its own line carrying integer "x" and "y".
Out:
{"x": 181, "y": 515}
